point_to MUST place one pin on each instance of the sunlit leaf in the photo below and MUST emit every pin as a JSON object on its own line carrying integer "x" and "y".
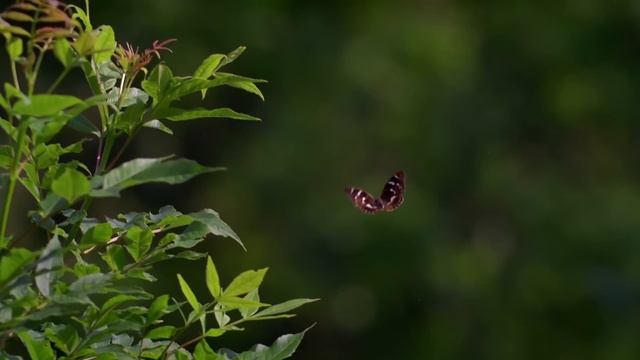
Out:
{"x": 162, "y": 332}
{"x": 213, "y": 281}
{"x": 105, "y": 44}
{"x": 45, "y": 105}
{"x": 283, "y": 307}
{"x": 188, "y": 294}
{"x": 158, "y": 308}
{"x": 245, "y": 282}
{"x": 38, "y": 347}
{"x": 184, "y": 115}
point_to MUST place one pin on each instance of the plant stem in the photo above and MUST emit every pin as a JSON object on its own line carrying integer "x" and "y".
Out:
{"x": 36, "y": 68}
{"x": 14, "y": 74}
{"x": 58, "y": 80}
{"x": 120, "y": 152}
{"x": 13, "y": 177}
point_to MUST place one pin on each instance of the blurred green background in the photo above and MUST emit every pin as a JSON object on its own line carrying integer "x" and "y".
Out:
{"x": 515, "y": 121}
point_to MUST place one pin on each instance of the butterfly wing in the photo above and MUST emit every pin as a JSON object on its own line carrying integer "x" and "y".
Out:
{"x": 363, "y": 200}
{"x": 393, "y": 192}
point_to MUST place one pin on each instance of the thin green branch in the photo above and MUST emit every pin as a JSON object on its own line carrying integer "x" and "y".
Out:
{"x": 58, "y": 80}
{"x": 13, "y": 177}
{"x": 14, "y": 75}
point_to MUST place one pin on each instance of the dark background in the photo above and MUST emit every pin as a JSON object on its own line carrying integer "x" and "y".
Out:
{"x": 515, "y": 121}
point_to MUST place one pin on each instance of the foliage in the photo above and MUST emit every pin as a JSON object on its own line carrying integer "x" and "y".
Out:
{"x": 80, "y": 296}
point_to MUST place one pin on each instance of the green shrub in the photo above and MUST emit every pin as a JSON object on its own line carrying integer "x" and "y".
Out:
{"x": 63, "y": 300}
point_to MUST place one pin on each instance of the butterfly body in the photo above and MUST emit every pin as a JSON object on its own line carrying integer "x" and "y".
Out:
{"x": 391, "y": 198}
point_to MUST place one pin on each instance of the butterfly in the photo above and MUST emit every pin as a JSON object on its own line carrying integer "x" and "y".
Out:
{"x": 391, "y": 198}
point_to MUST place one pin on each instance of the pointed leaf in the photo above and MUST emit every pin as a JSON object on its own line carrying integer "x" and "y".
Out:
{"x": 38, "y": 347}
{"x": 245, "y": 282}
{"x": 45, "y": 105}
{"x": 188, "y": 294}
{"x": 213, "y": 281}
{"x": 157, "y": 308}
{"x": 215, "y": 225}
{"x": 284, "y": 307}
{"x": 175, "y": 114}
{"x": 162, "y": 332}
{"x": 282, "y": 348}
{"x": 234, "y": 302}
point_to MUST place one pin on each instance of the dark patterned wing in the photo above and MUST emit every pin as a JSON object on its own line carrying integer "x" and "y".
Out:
{"x": 364, "y": 201}
{"x": 393, "y": 192}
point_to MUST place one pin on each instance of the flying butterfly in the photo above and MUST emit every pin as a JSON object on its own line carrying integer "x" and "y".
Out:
{"x": 391, "y": 198}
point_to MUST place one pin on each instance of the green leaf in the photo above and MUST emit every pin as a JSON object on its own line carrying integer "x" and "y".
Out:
{"x": 248, "y": 311}
{"x": 208, "y": 66}
{"x": 14, "y": 48}
{"x": 129, "y": 119}
{"x": 44, "y": 129}
{"x": 241, "y": 82}
{"x": 32, "y": 180}
{"x": 142, "y": 171}
{"x": 204, "y": 352}
{"x": 185, "y": 86}
{"x": 184, "y": 115}
{"x": 63, "y": 52}
{"x": 232, "y": 56}
{"x": 213, "y": 281}
{"x": 131, "y": 96}
{"x": 90, "y": 284}
{"x": 6, "y": 156}
{"x": 158, "y": 83}
{"x": 234, "y": 302}
{"x": 83, "y": 125}
{"x": 283, "y": 307}
{"x": 117, "y": 300}
{"x": 9, "y": 129}
{"x": 105, "y": 44}
{"x": 37, "y": 346}
{"x": 71, "y": 185}
{"x": 215, "y": 332}
{"x": 221, "y": 317}
{"x": 65, "y": 337}
{"x": 51, "y": 258}
{"x": 13, "y": 263}
{"x": 157, "y": 308}
{"x": 215, "y": 225}
{"x": 127, "y": 171}
{"x": 162, "y": 332}
{"x": 188, "y": 294}
{"x": 97, "y": 235}
{"x": 45, "y": 105}
{"x": 190, "y": 255}
{"x": 245, "y": 282}
{"x": 158, "y": 125}
{"x": 115, "y": 257}
{"x": 282, "y": 348}
{"x": 138, "y": 241}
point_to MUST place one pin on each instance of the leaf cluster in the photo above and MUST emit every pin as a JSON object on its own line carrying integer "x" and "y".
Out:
{"x": 81, "y": 295}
